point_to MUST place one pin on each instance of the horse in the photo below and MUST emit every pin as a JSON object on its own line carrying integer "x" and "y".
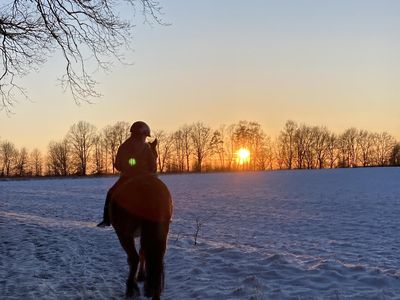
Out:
{"x": 142, "y": 207}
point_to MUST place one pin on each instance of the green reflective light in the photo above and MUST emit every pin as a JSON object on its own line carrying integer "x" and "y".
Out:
{"x": 132, "y": 162}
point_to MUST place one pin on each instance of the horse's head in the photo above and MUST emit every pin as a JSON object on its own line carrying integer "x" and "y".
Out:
{"x": 153, "y": 147}
{"x": 154, "y": 143}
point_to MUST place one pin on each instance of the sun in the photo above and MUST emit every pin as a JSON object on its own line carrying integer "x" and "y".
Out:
{"x": 243, "y": 156}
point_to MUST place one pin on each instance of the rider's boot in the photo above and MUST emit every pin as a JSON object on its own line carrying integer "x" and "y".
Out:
{"x": 106, "y": 216}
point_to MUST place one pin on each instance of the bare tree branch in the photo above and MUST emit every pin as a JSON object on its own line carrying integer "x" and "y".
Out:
{"x": 83, "y": 31}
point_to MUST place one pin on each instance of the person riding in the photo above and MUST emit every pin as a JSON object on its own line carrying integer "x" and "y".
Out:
{"x": 135, "y": 158}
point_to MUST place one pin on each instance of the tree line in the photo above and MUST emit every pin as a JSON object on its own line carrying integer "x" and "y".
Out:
{"x": 197, "y": 147}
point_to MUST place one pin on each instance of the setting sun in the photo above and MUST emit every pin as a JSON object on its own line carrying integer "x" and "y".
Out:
{"x": 243, "y": 156}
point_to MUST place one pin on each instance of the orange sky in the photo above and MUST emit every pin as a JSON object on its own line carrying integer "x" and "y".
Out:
{"x": 332, "y": 63}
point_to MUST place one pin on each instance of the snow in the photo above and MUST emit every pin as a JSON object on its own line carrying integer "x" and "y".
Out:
{"x": 320, "y": 234}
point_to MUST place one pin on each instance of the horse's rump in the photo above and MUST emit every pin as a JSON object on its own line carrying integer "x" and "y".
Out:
{"x": 146, "y": 197}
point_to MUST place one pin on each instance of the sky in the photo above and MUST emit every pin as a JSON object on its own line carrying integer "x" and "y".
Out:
{"x": 332, "y": 63}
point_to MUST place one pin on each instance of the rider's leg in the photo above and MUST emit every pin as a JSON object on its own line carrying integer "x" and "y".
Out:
{"x": 106, "y": 215}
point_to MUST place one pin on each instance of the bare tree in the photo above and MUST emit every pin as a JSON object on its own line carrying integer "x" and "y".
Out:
{"x": 8, "y": 154}
{"x": 21, "y": 162}
{"x": 111, "y": 146}
{"x": 384, "y": 147}
{"x": 99, "y": 155}
{"x": 265, "y": 155}
{"x": 286, "y": 144}
{"x": 178, "y": 147}
{"x": 201, "y": 136}
{"x": 82, "y": 138}
{"x": 348, "y": 147}
{"x": 321, "y": 139}
{"x": 302, "y": 142}
{"x": 219, "y": 149}
{"x": 395, "y": 156}
{"x": 229, "y": 146}
{"x": 249, "y": 135}
{"x": 365, "y": 141}
{"x": 36, "y": 162}
{"x": 187, "y": 144}
{"x": 164, "y": 149}
{"x": 332, "y": 149}
{"x": 82, "y": 31}
{"x": 114, "y": 136}
{"x": 58, "y": 158}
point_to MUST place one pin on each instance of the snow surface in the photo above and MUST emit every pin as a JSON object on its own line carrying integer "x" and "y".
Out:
{"x": 322, "y": 234}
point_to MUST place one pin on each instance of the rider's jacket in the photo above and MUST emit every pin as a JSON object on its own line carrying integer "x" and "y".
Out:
{"x": 135, "y": 158}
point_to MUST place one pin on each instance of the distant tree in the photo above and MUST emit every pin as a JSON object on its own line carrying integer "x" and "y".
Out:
{"x": 8, "y": 154}
{"x": 264, "y": 154}
{"x": 59, "y": 158}
{"x": 21, "y": 162}
{"x": 321, "y": 144}
{"x": 31, "y": 31}
{"x": 259, "y": 147}
{"x": 82, "y": 138}
{"x": 242, "y": 132}
{"x": 303, "y": 142}
{"x": 114, "y": 136}
{"x": 348, "y": 147}
{"x": 121, "y": 131}
{"x": 201, "y": 136}
{"x": 164, "y": 149}
{"x": 332, "y": 149}
{"x": 365, "y": 141}
{"x": 111, "y": 147}
{"x": 395, "y": 156}
{"x": 36, "y": 162}
{"x": 99, "y": 155}
{"x": 287, "y": 144}
{"x": 249, "y": 135}
{"x": 187, "y": 144}
{"x": 279, "y": 155}
{"x": 384, "y": 148}
{"x": 179, "y": 151}
{"x": 229, "y": 146}
{"x": 219, "y": 149}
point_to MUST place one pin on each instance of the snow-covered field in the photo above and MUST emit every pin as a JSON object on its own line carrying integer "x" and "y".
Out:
{"x": 326, "y": 234}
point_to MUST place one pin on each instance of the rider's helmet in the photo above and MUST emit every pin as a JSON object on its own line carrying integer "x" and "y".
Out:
{"x": 140, "y": 128}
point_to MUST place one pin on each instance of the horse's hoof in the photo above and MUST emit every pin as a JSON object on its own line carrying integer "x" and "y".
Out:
{"x": 148, "y": 293}
{"x": 132, "y": 291}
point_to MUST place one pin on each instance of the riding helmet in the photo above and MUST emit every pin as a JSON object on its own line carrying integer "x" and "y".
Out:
{"x": 140, "y": 128}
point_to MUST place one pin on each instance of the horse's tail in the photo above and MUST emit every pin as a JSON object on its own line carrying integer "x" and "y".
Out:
{"x": 153, "y": 242}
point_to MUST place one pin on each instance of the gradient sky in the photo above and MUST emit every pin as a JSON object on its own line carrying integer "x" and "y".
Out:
{"x": 333, "y": 63}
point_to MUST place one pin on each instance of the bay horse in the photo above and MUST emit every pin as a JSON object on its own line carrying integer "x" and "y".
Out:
{"x": 142, "y": 207}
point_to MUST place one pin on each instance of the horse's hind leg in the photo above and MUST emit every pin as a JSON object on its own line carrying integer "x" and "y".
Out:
{"x": 153, "y": 242}
{"x": 128, "y": 243}
{"x": 141, "y": 273}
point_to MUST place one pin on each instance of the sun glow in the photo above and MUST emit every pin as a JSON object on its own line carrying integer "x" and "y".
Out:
{"x": 243, "y": 156}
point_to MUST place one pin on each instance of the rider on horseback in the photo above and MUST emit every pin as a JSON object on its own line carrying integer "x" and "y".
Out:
{"x": 134, "y": 158}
